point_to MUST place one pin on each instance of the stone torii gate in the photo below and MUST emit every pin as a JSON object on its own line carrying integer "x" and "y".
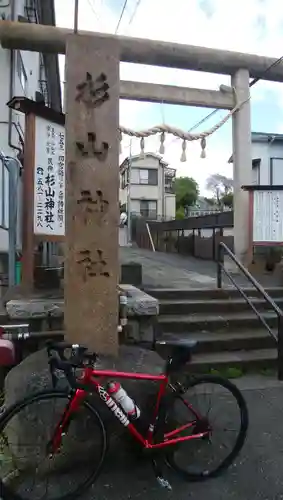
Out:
{"x": 92, "y": 141}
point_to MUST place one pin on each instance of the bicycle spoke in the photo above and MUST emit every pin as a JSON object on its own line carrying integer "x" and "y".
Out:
{"x": 221, "y": 439}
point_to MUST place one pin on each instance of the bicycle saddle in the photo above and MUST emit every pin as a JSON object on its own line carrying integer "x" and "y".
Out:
{"x": 180, "y": 351}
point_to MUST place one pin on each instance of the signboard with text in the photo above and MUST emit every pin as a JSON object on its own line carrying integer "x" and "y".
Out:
{"x": 268, "y": 217}
{"x": 49, "y": 178}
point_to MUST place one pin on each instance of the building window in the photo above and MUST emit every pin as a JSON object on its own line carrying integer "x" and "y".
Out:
{"x": 169, "y": 179}
{"x": 145, "y": 176}
{"x": 256, "y": 170}
{"x": 124, "y": 179}
{"x": 148, "y": 209}
{"x": 31, "y": 11}
{"x": 21, "y": 72}
{"x": 276, "y": 171}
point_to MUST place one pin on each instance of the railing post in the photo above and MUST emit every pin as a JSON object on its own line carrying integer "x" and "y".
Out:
{"x": 220, "y": 260}
{"x": 280, "y": 348}
{"x": 213, "y": 244}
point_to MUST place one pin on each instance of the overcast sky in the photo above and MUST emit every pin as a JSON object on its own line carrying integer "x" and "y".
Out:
{"x": 254, "y": 26}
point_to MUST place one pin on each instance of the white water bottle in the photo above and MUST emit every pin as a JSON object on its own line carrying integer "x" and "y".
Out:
{"x": 119, "y": 394}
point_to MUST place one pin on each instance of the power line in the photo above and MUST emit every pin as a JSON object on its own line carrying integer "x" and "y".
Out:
{"x": 121, "y": 16}
{"x": 196, "y": 125}
{"x": 135, "y": 11}
{"x": 251, "y": 84}
{"x": 203, "y": 120}
{"x": 93, "y": 9}
{"x": 255, "y": 80}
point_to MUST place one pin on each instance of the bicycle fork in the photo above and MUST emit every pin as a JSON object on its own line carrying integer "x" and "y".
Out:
{"x": 159, "y": 436}
{"x": 61, "y": 429}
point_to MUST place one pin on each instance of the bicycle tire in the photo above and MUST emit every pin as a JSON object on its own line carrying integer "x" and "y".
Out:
{"x": 191, "y": 382}
{"x": 14, "y": 410}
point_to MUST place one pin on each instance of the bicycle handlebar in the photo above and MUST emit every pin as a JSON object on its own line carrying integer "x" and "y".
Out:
{"x": 59, "y": 361}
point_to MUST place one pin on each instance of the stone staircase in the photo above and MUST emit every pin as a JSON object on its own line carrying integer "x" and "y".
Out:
{"x": 228, "y": 332}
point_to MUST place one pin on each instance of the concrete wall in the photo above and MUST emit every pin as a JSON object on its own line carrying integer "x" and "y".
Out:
{"x": 269, "y": 170}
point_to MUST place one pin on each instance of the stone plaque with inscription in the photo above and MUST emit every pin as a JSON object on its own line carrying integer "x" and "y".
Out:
{"x": 92, "y": 188}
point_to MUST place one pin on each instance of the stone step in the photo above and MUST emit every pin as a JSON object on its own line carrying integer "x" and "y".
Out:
{"x": 212, "y": 342}
{"x": 214, "y": 322}
{"x": 247, "y": 361}
{"x": 185, "y": 306}
{"x": 208, "y": 293}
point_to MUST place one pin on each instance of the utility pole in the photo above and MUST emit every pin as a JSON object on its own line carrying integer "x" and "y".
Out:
{"x": 76, "y": 16}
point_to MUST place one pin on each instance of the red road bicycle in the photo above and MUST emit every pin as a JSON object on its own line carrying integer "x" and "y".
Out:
{"x": 161, "y": 438}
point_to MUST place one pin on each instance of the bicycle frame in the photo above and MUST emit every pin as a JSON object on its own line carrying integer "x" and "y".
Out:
{"x": 90, "y": 377}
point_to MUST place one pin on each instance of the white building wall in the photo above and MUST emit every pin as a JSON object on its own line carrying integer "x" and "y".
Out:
{"x": 170, "y": 206}
{"x": 31, "y": 65}
{"x": 31, "y": 68}
{"x": 157, "y": 193}
{"x": 265, "y": 151}
{"x": 145, "y": 192}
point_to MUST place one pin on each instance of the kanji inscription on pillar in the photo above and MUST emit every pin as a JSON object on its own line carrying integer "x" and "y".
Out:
{"x": 92, "y": 264}
{"x": 92, "y": 188}
{"x": 91, "y": 148}
{"x": 93, "y": 92}
{"x": 92, "y": 204}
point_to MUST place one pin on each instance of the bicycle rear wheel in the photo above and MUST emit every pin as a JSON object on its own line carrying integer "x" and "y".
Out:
{"x": 201, "y": 458}
{"x": 26, "y": 468}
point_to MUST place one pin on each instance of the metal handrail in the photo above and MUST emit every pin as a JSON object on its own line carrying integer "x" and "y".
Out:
{"x": 222, "y": 248}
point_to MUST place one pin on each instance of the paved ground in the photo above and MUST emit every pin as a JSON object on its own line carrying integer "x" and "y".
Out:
{"x": 257, "y": 475}
{"x": 178, "y": 271}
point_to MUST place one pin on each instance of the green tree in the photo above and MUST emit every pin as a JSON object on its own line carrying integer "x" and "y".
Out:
{"x": 186, "y": 191}
{"x": 227, "y": 200}
{"x": 180, "y": 213}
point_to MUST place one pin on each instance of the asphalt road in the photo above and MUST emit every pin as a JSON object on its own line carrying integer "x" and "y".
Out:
{"x": 257, "y": 475}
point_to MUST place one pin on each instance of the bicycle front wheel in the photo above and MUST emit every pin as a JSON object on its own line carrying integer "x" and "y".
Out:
{"x": 27, "y": 470}
{"x": 224, "y": 426}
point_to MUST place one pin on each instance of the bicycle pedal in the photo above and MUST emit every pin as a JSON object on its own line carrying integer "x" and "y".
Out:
{"x": 164, "y": 483}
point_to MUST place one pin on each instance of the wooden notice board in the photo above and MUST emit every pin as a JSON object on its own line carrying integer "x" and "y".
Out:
{"x": 43, "y": 179}
{"x": 265, "y": 215}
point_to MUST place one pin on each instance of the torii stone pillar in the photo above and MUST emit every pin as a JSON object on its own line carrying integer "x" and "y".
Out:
{"x": 92, "y": 190}
{"x": 242, "y": 166}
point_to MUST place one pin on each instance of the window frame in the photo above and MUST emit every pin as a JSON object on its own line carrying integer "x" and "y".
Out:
{"x": 149, "y": 182}
{"x": 148, "y": 210}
